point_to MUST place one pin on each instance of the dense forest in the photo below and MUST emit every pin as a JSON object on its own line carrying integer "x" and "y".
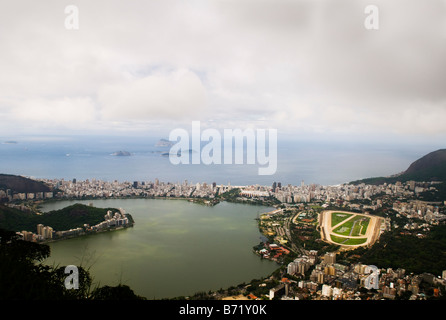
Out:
{"x": 417, "y": 255}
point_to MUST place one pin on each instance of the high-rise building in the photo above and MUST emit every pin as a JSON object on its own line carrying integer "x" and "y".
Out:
{"x": 372, "y": 280}
{"x": 47, "y": 232}
{"x": 327, "y": 290}
{"x": 320, "y": 277}
{"x": 27, "y": 236}
{"x": 291, "y": 268}
{"x": 330, "y": 270}
{"x": 330, "y": 258}
{"x": 40, "y": 229}
{"x": 277, "y": 291}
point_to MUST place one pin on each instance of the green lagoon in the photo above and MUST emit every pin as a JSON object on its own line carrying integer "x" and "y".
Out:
{"x": 176, "y": 248}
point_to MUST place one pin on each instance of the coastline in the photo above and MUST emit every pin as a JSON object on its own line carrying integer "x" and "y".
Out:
{"x": 199, "y": 201}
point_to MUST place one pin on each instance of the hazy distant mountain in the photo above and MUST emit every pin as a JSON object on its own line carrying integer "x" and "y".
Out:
{"x": 121, "y": 154}
{"x": 177, "y": 154}
{"x": 164, "y": 143}
{"x": 22, "y": 184}
{"x": 431, "y": 167}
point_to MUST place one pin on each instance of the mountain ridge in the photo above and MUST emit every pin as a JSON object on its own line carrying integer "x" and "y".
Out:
{"x": 430, "y": 167}
{"x": 21, "y": 184}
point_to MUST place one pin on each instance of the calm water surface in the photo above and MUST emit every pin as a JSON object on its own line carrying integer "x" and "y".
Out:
{"x": 175, "y": 248}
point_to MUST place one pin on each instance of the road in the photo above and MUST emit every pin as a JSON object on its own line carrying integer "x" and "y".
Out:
{"x": 287, "y": 227}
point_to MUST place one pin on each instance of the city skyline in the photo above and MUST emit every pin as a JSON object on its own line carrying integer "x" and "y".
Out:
{"x": 311, "y": 70}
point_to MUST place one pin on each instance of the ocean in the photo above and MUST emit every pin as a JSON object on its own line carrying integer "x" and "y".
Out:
{"x": 318, "y": 162}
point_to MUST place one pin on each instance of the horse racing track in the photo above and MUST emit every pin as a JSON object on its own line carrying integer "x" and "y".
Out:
{"x": 349, "y": 229}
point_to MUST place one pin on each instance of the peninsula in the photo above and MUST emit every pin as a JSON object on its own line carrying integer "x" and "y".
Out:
{"x": 72, "y": 221}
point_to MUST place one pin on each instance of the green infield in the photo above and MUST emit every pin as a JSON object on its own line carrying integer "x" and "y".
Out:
{"x": 348, "y": 241}
{"x": 360, "y": 228}
{"x": 356, "y": 226}
{"x": 337, "y": 217}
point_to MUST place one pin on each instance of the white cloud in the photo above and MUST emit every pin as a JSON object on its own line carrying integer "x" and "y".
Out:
{"x": 63, "y": 112}
{"x": 172, "y": 95}
{"x": 298, "y": 65}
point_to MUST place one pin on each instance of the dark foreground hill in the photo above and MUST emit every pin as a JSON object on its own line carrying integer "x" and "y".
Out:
{"x": 431, "y": 167}
{"x": 21, "y": 184}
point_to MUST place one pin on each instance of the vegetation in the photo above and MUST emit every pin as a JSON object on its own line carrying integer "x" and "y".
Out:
{"x": 308, "y": 237}
{"x": 230, "y": 195}
{"x": 348, "y": 241}
{"x": 439, "y": 194}
{"x": 74, "y": 216}
{"x": 360, "y": 229}
{"x": 71, "y": 217}
{"x": 17, "y": 220}
{"x": 417, "y": 255}
{"x": 358, "y": 224}
{"x": 337, "y": 217}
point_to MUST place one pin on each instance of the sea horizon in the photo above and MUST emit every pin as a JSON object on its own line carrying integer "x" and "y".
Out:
{"x": 312, "y": 162}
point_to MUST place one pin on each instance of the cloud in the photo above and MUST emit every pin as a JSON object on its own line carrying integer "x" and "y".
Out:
{"x": 61, "y": 112}
{"x": 171, "y": 95}
{"x": 301, "y": 66}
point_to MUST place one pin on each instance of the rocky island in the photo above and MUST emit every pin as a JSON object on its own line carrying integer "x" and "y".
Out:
{"x": 121, "y": 154}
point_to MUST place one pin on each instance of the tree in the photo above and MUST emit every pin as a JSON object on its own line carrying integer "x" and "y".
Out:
{"x": 120, "y": 292}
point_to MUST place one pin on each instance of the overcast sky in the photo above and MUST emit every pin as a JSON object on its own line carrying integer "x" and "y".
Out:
{"x": 303, "y": 67}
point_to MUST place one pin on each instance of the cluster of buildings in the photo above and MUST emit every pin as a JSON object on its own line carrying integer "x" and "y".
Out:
{"x": 43, "y": 232}
{"x": 118, "y": 219}
{"x": 93, "y": 188}
{"x": 286, "y": 194}
{"x": 47, "y": 233}
{"x": 329, "y": 280}
{"x": 272, "y": 251}
{"x": 422, "y": 210}
{"x": 271, "y": 224}
{"x": 9, "y": 195}
{"x": 302, "y": 264}
{"x": 347, "y": 192}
